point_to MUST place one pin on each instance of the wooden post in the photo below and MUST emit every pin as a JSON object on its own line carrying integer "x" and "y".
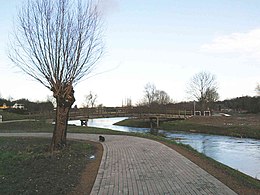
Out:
{"x": 151, "y": 123}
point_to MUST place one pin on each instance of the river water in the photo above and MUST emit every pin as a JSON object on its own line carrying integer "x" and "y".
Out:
{"x": 239, "y": 153}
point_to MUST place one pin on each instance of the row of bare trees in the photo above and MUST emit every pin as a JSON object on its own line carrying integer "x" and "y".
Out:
{"x": 202, "y": 88}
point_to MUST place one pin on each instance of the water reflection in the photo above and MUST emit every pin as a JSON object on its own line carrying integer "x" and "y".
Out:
{"x": 108, "y": 123}
{"x": 241, "y": 154}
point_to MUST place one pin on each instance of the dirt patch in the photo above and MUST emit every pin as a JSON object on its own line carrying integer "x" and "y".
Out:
{"x": 90, "y": 172}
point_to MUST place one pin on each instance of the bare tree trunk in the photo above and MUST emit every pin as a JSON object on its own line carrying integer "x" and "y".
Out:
{"x": 61, "y": 121}
{"x": 59, "y": 133}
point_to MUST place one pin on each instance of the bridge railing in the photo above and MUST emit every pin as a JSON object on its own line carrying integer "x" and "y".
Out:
{"x": 123, "y": 112}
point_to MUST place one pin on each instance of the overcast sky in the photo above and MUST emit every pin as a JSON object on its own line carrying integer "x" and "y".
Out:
{"x": 162, "y": 42}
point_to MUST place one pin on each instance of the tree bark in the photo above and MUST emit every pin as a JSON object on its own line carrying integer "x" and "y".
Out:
{"x": 61, "y": 121}
{"x": 59, "y": 133}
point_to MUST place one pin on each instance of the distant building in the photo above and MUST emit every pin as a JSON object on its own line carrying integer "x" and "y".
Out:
{"x": 18, "y": 106}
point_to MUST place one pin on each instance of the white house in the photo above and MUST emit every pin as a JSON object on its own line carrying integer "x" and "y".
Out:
{"x": 18, "y": 106}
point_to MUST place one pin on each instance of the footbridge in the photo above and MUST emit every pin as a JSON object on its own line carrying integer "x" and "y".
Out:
{"x": 155, "y": 119}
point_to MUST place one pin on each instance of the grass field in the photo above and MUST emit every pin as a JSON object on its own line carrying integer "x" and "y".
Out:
{"x": 26, "y": 167}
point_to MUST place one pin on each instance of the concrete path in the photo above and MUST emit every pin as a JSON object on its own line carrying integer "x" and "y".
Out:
{"x": 132, "y": 165}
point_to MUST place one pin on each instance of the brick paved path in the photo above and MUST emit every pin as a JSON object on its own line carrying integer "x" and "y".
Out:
{"x": 132, "y": 165}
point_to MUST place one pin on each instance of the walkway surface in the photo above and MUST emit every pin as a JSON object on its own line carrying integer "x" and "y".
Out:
{"x": 132, "y": 165}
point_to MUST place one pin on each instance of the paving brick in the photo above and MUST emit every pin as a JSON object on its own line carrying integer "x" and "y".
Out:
{"x": 147, "y": 167}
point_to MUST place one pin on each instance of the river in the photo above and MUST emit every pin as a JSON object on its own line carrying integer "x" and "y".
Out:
{"x": 239, "y": 153}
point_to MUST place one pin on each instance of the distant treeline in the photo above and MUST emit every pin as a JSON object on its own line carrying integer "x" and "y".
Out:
{"x": 241, "y": 104}
{"x": 29, "y": 107}
{"x": 244, "y": 104}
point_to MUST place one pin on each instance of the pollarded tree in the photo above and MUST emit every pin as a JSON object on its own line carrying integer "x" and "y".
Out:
{"x": 203, "y": 87}
{"x": 58, "y": 43}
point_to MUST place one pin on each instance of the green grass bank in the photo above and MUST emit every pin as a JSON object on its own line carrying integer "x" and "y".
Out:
{"x": 246, "y": 126}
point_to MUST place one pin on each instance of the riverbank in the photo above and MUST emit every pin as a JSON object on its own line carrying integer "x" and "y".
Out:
{"x": 243, "y": 126}
{"x": 237, "y": 181}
